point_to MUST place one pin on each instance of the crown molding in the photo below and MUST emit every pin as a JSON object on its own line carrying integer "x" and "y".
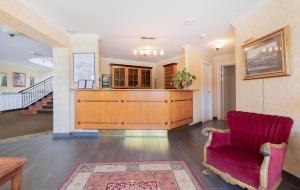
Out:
{"x": 199, "y": 50}
{"x": 220, "y": 57}
{"x": 132, "y": 62}
{"x": 260, "y": 5}
{"x": 170, "y": 59}
{"x": 224, "y": 55}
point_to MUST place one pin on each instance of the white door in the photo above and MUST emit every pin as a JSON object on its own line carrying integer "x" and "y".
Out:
{"x": 228, "y": 91}
{"x": 207, "y": 91}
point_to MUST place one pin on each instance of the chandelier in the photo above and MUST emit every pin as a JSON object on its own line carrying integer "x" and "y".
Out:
{"x": 147, "y": 51}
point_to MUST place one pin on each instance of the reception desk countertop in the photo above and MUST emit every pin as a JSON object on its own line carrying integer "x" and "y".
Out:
{"x": 133, "y": 108}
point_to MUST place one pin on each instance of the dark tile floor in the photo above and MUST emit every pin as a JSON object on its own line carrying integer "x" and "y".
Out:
{"x": 13, "y": 124}
{"x": 50, "y": 161}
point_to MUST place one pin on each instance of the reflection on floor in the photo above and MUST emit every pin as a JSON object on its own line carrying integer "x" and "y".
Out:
{"x": 50, "y": 161}
{"x": 14, "y": 124}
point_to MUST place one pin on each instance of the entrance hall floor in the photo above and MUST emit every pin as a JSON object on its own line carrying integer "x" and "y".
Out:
{"x": 51, "y": 160}
{"x": 15, "y": 124}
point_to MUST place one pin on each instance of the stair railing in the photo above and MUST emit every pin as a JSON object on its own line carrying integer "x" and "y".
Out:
{"x": 36, "y": 92}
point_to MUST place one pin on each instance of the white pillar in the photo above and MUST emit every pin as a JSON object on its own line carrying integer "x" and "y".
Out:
{"x": 61, "y": 92}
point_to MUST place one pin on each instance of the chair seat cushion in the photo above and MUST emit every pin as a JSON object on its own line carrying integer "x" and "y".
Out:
{"x": 238, "y": 163}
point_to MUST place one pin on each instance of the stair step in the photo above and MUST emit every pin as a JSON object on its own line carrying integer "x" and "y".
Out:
{"x": 49, "y": 103}
{"x": 45, "y": 111}
{"x": 48, "y": 107}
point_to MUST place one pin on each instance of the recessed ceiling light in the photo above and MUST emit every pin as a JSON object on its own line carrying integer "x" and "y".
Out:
{"x": 190, "y": 21}
{"x": 202, "y": 35}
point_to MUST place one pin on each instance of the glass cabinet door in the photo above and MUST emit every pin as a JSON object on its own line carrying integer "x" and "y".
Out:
{"x": 130, "y": 76}
{"x": 146, "y": 78}
{"x": 133, "y": 77}
{"x": 119, "y": 76}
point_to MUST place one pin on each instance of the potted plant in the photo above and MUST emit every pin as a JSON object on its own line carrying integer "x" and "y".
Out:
{"x": 183, "y": 79}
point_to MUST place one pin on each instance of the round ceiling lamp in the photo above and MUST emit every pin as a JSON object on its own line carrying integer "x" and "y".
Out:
{"x": 219, "y": 44}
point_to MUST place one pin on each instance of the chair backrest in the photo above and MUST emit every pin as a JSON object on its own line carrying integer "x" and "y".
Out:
{"x": 250, "y": 130}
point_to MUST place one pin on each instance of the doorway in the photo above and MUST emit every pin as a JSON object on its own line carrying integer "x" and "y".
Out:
{"x": 207, "y": 91}
{"x": 26, "y": 100}
{"x": 228, "y": 90}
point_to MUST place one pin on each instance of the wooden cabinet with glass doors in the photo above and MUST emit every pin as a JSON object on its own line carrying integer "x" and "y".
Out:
{"x": 128, "y": 76}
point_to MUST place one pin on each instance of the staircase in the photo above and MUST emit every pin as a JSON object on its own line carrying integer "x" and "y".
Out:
{"x": 43, "y": 106}
{"x": 48, "y": 108}
{"x": 38, "y": 98}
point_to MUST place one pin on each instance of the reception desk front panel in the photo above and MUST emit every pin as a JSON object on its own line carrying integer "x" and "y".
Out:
{"x": 133, "y": 109}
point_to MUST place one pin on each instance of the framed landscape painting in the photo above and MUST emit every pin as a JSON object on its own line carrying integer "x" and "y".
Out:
{"x": 267, "y": 56}
{"x": 19, "y": 79}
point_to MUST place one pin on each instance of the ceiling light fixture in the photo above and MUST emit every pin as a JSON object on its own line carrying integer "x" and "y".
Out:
{"x": 10, "y": 31}
{"x": 42, "y": 61}
{"x": 219, "y": 44}
{"x": 147, "y": 51}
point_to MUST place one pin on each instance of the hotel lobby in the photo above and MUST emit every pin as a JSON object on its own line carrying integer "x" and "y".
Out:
{"x": 150, "y": 95}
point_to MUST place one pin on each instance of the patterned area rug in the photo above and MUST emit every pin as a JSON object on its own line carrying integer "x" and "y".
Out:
{"x": 167, "y": 175}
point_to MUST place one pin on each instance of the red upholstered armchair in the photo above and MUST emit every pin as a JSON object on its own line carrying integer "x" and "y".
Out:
{"x": 251, "y": 152}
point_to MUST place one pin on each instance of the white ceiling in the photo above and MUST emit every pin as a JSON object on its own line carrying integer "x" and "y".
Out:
{"x": 121, "y": 23}
{"x": 17, "y": 50}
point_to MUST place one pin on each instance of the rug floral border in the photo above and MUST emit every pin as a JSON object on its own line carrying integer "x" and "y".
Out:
{"x": 131, "y": 166}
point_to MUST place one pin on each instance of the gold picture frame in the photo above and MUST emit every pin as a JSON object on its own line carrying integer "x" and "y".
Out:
{"x": 267, "y": 56}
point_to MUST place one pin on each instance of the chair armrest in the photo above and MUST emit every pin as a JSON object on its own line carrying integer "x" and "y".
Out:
{"x": 207, "y": 131}
{"x": 266, "y": 149}
{"x": 271, "y": 168}
{"x": 216, "y": 136}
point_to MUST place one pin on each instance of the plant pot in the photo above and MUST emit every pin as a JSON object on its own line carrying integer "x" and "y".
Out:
{"x": 185, "y": 85}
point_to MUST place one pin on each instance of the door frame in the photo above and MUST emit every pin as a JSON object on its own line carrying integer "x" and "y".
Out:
{"x": 219, "y": 88}
{"x": 202, "y": 92}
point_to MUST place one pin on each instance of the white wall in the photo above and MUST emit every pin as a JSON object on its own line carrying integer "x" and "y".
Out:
{"x": 279, "y": 95}
{"x": 39, "y": 74}
{"x": 194, "y": 60}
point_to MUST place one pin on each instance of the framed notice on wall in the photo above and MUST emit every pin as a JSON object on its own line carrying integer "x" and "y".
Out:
{"x": 83, "y": 66}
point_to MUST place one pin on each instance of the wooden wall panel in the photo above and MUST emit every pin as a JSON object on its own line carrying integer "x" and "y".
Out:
{"x": 181, "y": 108}
{"x": 98, "y": 109}
{"x": 146, "y": 109}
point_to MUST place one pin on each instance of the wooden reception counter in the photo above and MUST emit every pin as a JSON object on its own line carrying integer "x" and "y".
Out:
{"x": 133, "y": 108}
